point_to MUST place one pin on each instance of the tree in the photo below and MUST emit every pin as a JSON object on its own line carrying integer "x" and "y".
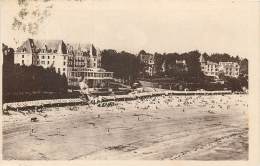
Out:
{"x": 193, "y": 64}
{"x": 64, "y": 87}
{"x": 158, "y": 60}
{"x": 124, "y": 64}
{"x": 244, "y": 67}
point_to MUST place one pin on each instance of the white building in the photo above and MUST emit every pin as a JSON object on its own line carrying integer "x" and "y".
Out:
{"x": 149, "y": 62}
{"x": 45, "y": 53}
{"x": 230, "y": 69}
{"x": 73, "y": 60}
{"x": 84, "y": 61}
{"x": 209, "y": 68}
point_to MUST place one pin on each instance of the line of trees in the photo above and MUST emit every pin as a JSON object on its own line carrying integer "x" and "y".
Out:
{"x": 18, "y": 78}
{"x": 21, "y": 83}
{"x": 216, "y": 57}
{"x": 124, "y": 64}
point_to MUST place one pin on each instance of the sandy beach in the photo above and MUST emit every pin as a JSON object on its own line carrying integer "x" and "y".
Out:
{"x": 200, "y": 127}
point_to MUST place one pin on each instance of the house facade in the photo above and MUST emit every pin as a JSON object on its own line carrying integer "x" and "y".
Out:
{"x": 75, "y": 61}
{"x": 149, "y": 63}
{"x": 84, "y": 61}
{"x": 210, "y": 69}
{"x": 230, "y": 69}
{"x": 45, "y": 53}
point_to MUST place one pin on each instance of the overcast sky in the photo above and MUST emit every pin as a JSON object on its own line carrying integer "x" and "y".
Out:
{"x": 154, "y": 25}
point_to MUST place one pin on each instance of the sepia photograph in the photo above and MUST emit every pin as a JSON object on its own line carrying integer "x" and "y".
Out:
{"x": 127, "y": 80}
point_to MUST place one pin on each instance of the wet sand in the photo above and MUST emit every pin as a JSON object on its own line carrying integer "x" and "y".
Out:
{"x": 159, "y": 128}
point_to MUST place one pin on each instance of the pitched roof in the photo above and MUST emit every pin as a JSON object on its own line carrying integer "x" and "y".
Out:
{"x": 202, "y": 59}
{"x": 31, "y": 45}
{"x": 26, "y": 46}
{"x": 79, "y": 47}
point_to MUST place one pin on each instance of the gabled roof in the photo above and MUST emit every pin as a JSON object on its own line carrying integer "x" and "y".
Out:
{"x": 79, "y": 47}
{"x": 26, "y": 46}
{"x": 49, "y": 44}
{"x": 202, "y": 59}
{"x": 31, "y": 45}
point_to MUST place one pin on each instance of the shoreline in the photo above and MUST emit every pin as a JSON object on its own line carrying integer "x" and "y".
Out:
{"x": 35, "y": 104}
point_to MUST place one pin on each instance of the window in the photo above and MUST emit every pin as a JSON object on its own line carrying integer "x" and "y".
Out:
{"x": 53, "y": 57}
{"x": 64, "y": 63}
{"x": 22, "y": 56}
{"x": 64, "y": 69}
{"x": 43, "y": 57}
{"x": 64, "y": 57}
{"x": 23, "y": 62}
{"x": 58, "y": 70}
{"x": 42, "y": 62}
{"x": 48, "y": 62}
{"x": 48, "y": 57}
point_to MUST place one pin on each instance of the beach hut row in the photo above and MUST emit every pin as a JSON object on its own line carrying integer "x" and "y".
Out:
{"x": 37, "y": 104}
{"x": 78, "y": 101}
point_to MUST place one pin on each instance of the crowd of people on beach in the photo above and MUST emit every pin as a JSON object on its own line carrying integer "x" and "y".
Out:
{"x": 184, "y": 103}
{"x": 212, "y": 103}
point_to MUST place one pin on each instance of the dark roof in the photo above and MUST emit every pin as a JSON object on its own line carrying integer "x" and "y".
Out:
{"x": 31, "y": 45}
{"x": 79, "y": 47}
{"x": 25, "y": 47}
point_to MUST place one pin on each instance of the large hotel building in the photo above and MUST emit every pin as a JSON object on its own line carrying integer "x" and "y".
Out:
{"x": 76, "y": 61}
